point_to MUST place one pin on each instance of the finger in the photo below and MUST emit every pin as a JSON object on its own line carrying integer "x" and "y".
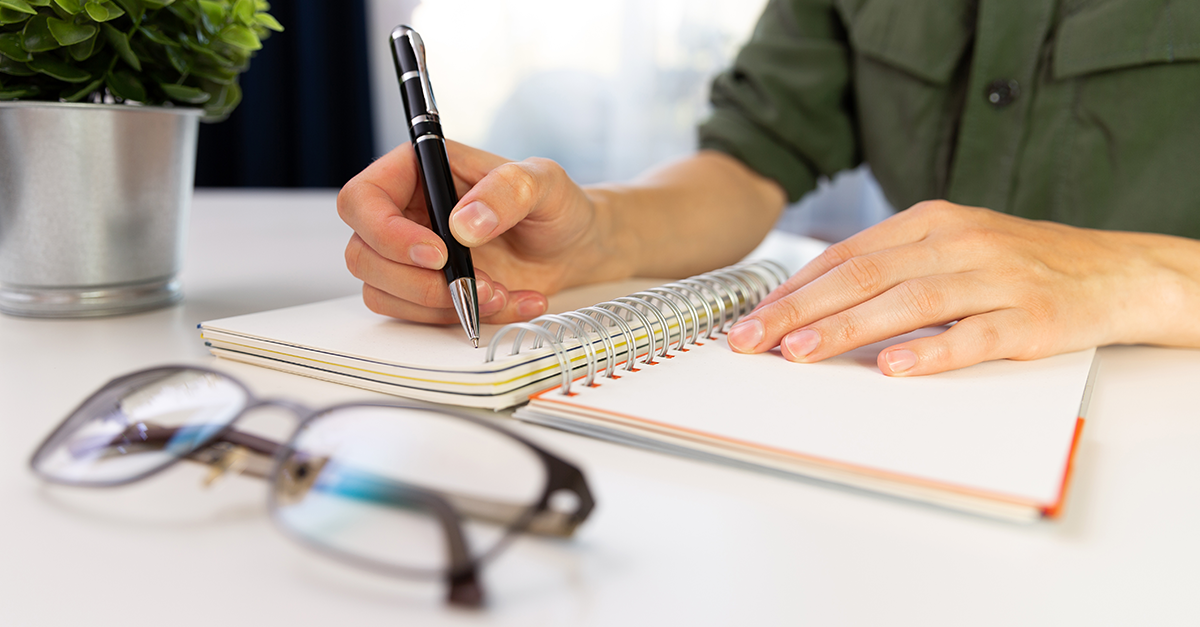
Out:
{"x": 422, "y": 287}
{"x": 373, "y": 204}
{"x": 911, "y": 305}
{"x": 1001, "y": 334}
{"x": 387, "y": 304}
{"x": 384, "y": 203}
{"x": 469, "y": 165}
{"x": 845, "y": 286}
{"x": 504, "y": 307}
{"x": 506, "y": 195}
{"x": 906, "y": 227}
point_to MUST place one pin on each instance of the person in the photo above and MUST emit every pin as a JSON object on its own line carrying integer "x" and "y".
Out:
{"x": 1047, "y": 152}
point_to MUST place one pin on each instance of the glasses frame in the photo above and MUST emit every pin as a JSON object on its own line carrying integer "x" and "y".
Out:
{"x": 462, "y": 577}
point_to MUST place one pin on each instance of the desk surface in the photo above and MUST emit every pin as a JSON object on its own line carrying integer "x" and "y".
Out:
{"x": 672, "y": 541}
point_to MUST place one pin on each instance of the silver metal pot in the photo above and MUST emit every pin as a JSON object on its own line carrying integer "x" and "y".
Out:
{"x": 93, "y": 204}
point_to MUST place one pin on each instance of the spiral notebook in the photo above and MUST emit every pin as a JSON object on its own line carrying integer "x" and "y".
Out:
{"x": 342, "y": 341}
{"x": 652, "y": 369}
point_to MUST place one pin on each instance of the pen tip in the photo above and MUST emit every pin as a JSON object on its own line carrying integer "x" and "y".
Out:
{"x": 475, "y": 342}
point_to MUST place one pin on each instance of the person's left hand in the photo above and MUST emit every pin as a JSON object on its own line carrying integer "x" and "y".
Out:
{"x": 1015, "y": 288}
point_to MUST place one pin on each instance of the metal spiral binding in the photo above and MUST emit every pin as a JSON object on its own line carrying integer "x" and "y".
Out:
{"x": 729, "y": 293}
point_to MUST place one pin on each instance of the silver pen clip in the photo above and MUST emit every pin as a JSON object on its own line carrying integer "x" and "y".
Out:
{"x": 418, "y": 48}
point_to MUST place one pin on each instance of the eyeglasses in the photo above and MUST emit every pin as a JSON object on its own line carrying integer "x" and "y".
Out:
{"x": 410, "y": 490}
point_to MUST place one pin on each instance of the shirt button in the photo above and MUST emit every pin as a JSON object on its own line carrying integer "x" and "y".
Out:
{"x": 1000, "y": 93}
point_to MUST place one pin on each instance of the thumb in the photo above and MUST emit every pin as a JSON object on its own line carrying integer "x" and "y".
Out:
{"x": 503, "y": 197}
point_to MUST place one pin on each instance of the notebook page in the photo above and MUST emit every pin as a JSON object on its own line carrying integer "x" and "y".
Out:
{"x": 1001, "y": 427}
{"x": 345, "y": 327}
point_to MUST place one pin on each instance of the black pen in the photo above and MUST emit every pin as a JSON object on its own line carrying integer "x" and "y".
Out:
{"x": 425, "y": 130}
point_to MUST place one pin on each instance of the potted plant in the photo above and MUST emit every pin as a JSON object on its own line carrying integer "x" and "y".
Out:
{"x": 97, "y": 142}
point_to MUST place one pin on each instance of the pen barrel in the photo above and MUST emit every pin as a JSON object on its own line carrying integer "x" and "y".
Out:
{"x": 440, "y": 198}
{"x": 412, "y": 88}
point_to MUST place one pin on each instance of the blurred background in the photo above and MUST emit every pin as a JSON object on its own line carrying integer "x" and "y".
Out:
{"x": 605, "y": 89}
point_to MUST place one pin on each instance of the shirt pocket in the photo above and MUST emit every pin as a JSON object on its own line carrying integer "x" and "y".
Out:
{"x": 1109, "y": 35}
{"x": 923, "y": 38}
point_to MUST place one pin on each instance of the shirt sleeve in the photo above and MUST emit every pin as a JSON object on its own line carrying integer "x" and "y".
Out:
{"x": 785, "y": 107}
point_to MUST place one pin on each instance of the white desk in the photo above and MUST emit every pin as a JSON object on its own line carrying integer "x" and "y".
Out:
{"x": 672, "y": 542}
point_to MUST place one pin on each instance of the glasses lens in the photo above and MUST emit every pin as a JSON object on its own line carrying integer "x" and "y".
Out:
{"x": 407, "y": 490}
{"x": 138, "y": 424}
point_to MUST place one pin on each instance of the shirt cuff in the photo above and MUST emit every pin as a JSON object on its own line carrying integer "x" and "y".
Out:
{"x": 734, "y": 135}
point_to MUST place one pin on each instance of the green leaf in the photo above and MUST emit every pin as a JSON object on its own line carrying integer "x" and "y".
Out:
{"x": 76, "y": 95}
{"x": 135, "y": 9}
{"x": 126, "y": 86}
{"x": 69, "y": 34}
{"x": 18, "y": 5}
{"x": 9, "y": 16}
{"x": 224, "y": 101}
{"x": 70, "y": 6}
{"x": 216, "y": 75}
{"x": 10, "y": 46}
{"x": 183, "y": 93}
{"x": 178, "y": 60}
{"x": 14, "y": 68}
{"x": 51, "y": 65}
{"x": 214, "y": 14}
{"x": 103, "y": 11}
{"x": 39, "y": 3}
{"x": 153, "y": 34}
{"x": 267, "y": 21}
{"x": 19, "y": 93}
{"x": 120, "y": 41}
{"x": 243, "y": 12}
{"x": 84, "y": 49}
{"x": 157, "y": 4}
{"x": 206, "y": 53}
{"x": 36, "y": 35}
{"x": 240, "y": 36}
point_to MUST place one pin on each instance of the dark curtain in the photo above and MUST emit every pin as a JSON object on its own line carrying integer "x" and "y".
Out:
{"x": 305, "y": 116}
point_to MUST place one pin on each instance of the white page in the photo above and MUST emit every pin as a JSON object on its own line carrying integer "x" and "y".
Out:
{"x": 345, "y": 327}
{"x": 1002, "y": 427}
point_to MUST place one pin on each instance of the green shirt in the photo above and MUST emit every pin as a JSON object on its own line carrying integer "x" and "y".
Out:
{"x": 1085, "y": 112}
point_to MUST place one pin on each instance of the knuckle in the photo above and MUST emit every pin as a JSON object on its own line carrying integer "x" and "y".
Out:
{"x": 550, "y": 166}
{"x": 346, "y": 198}
{"x": 374, "y": 300}
{"x": 845, "y": 328}
{"x": 940, "y": 211}
{"x": 785, "y": 313}
{"x": 929, "y": 208}
{"x": 353, "y": 256}
{"x": 837, "y": 254}
{"x": 431, "y": 293}
{"x": 987, "y": 337}
{"x": 922, "y": 300}
{"x": 864, "y": 274}
{"x": 978, "y": 339}
{"x": 522, "y": 186}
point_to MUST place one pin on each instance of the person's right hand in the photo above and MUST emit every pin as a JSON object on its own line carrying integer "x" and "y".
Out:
{"x": 532, "y": 231}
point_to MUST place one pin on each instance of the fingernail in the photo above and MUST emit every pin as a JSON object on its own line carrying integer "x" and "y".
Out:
{"x": 900, "y": 360}
{"x": 475, "y": 221}
{"x": 494, "y": 304}
{"x": 745, "y": 336}
{"x": 798, "y": 345}
{"x": 484, "y": 291}
{"x": 531, "y": 307}
{"x": 427, "y": 256}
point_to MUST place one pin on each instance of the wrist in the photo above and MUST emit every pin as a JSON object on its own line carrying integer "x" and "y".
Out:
{"x": 1167, "y": 290}
{"x": 610, "y": 251}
